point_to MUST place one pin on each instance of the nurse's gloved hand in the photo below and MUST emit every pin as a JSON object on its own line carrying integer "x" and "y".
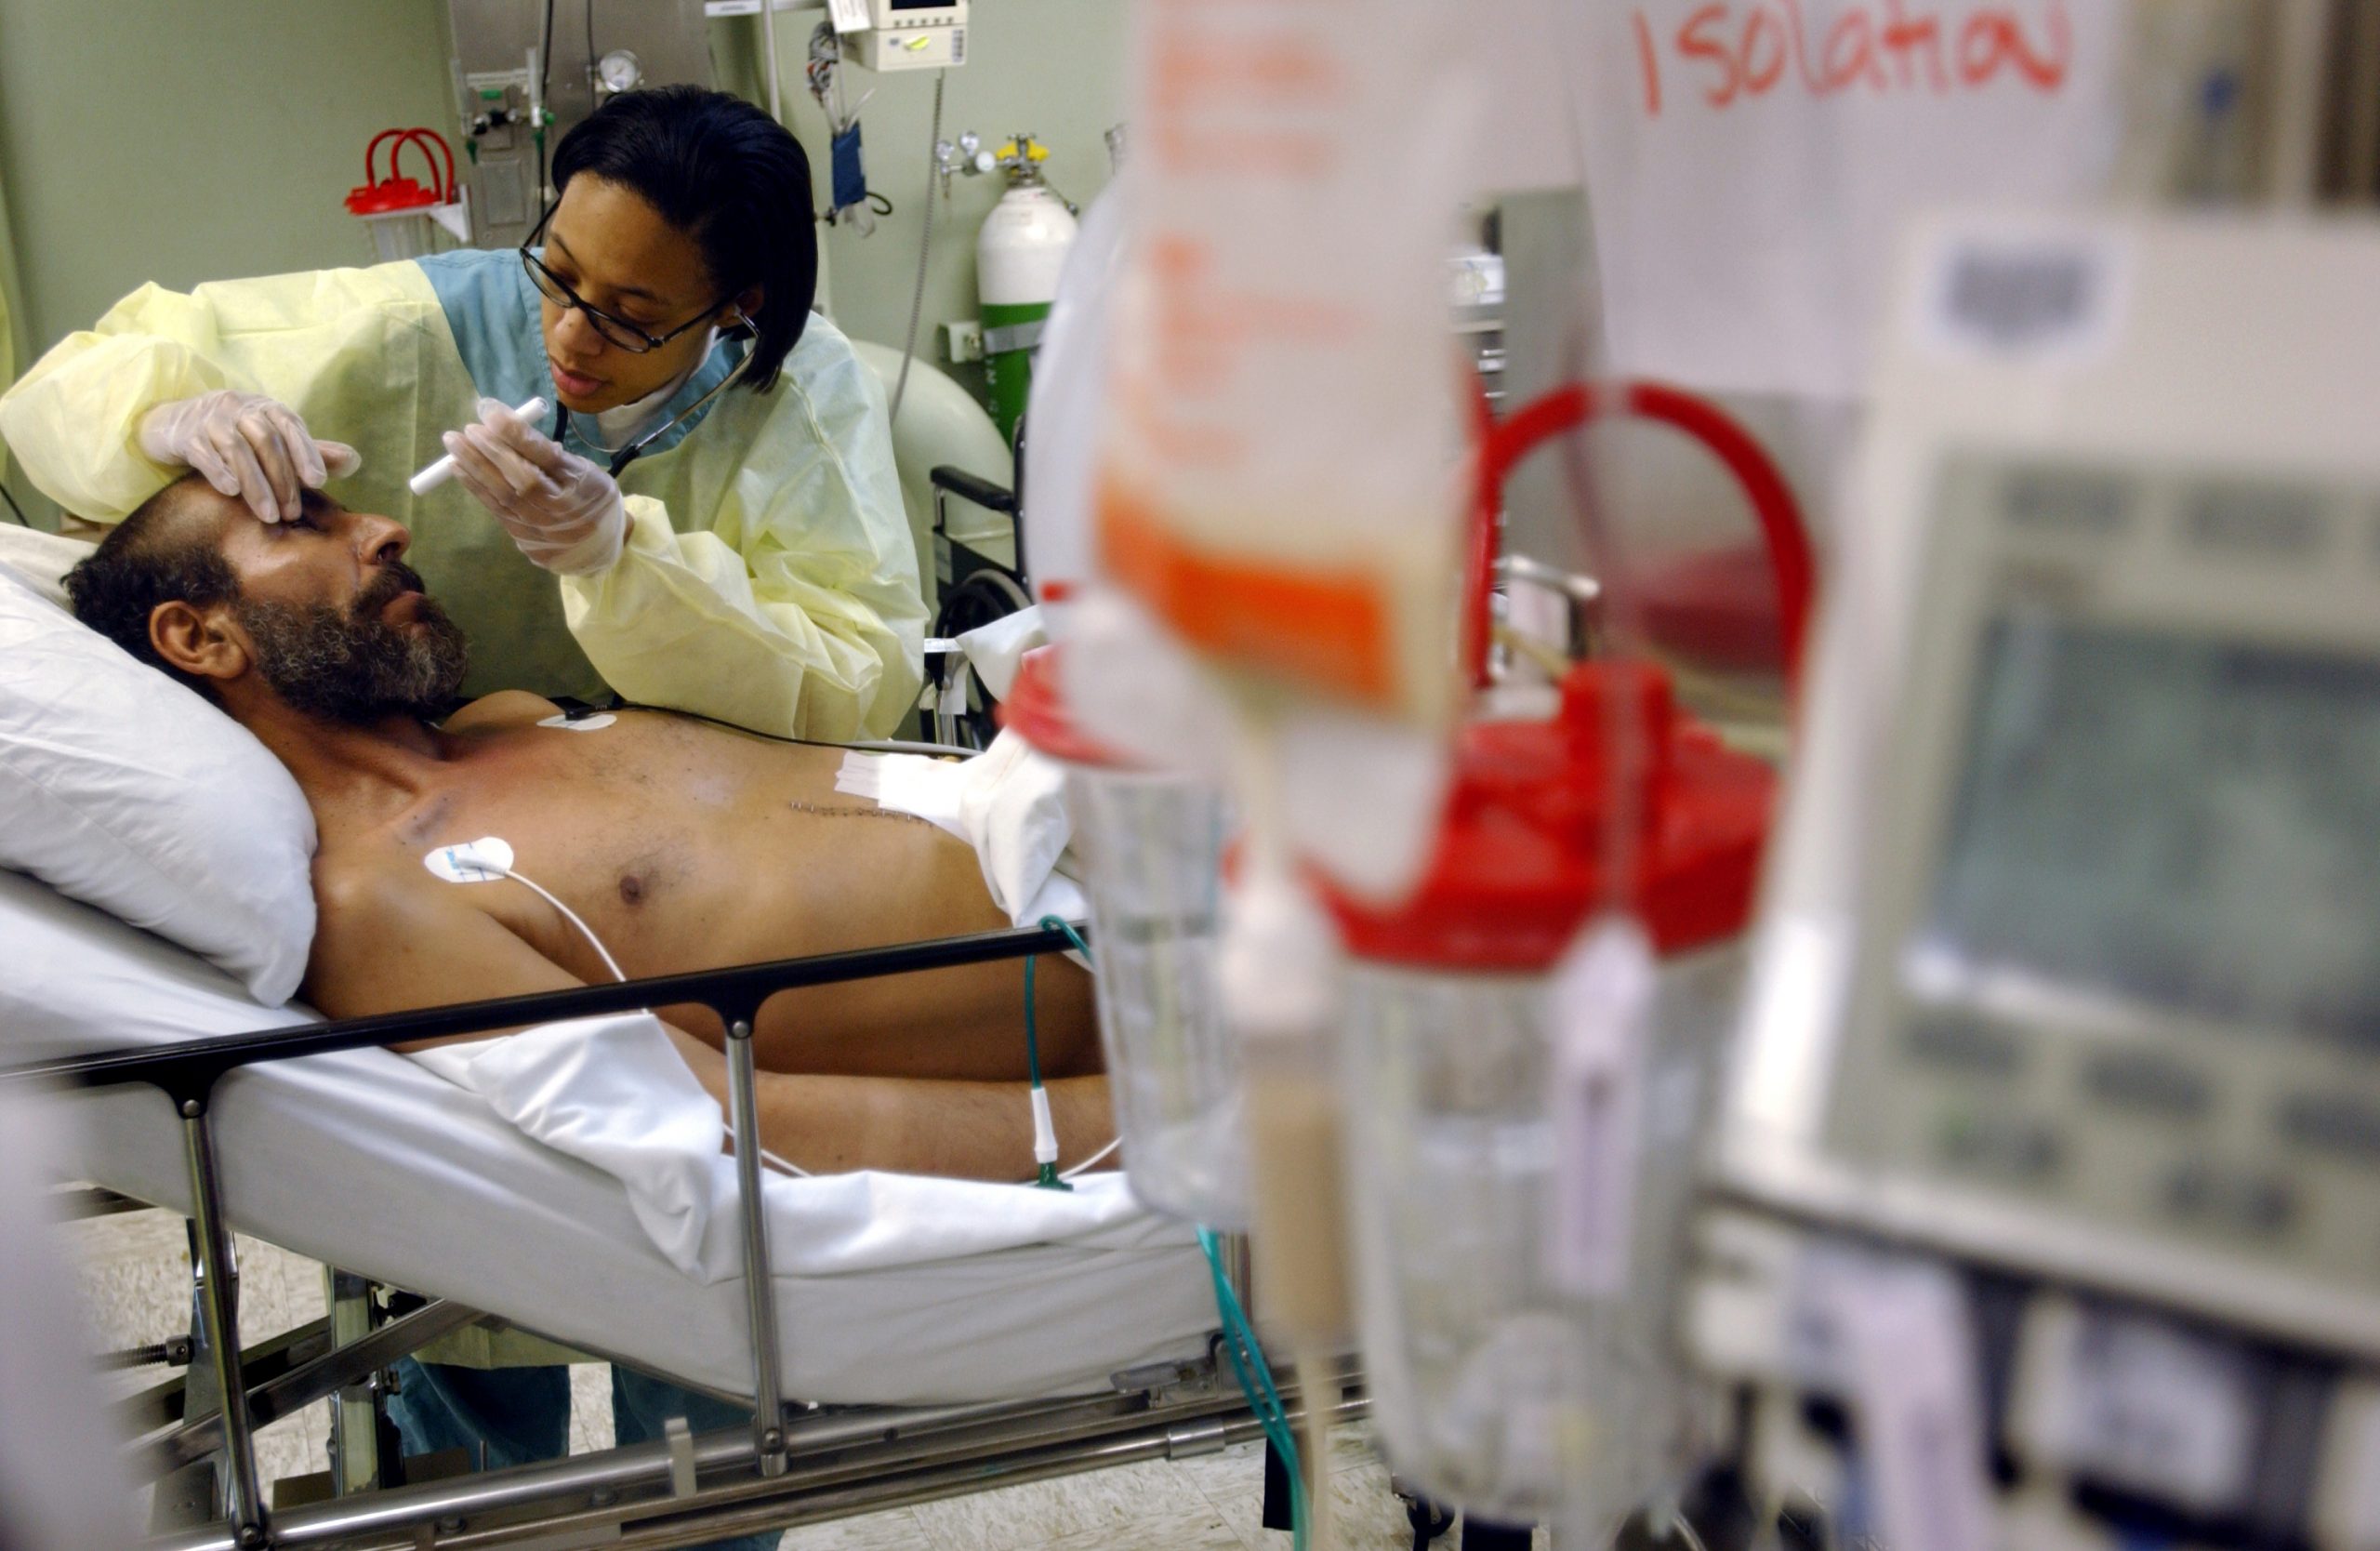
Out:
{"x": 566, "y": 514}
{"x": 248, "y": 445}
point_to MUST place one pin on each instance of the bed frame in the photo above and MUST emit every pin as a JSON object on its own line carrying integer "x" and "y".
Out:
{"x": 795, "y": 1464}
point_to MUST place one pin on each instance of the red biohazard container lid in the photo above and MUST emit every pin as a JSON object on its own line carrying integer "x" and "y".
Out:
{"x": 397, "y": 193}
{"x": 1036, "y": 710}
{"x": 1525, "y": 843}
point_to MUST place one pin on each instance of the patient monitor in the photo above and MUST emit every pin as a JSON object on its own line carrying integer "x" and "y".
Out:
{"x": 2070, "y": 973}
{"x": 910, "y": 34}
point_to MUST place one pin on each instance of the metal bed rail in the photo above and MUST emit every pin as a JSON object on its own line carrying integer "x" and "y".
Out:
{"x": 188, "y": 1072}
{"x": 688, "y": 1490}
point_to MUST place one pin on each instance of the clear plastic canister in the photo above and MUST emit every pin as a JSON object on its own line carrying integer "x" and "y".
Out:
{"x": 1508, "y": 1379}
{"x": 1151, "y": 847}
{"x": 1151, "y": 850}
{"x": 1491, "y": 1387}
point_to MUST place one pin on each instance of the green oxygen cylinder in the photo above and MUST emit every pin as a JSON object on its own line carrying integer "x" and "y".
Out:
{"x": 1018, "y": 255}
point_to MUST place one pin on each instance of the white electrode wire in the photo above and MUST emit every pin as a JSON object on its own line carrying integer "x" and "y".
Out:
{"x": 925, "y": 246}
{"x": 1085, "y": 1166}
{"x": 569, "y": 915}
{"x": 613, "y": 965}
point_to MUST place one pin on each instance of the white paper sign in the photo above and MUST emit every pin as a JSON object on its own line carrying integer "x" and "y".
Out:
{"x": 1749, "y": 162}
{"x": 1896, "y": 1331}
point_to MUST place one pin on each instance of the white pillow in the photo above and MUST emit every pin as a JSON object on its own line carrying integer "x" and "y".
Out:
{"x": 122, "y": 789}
{"x": 42, "y": 559}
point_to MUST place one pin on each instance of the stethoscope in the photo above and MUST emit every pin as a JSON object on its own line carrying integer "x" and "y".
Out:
{"x": 621, "y": 457}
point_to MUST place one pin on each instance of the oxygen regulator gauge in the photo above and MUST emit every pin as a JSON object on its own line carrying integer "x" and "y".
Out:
{"x": 619, "y": 70}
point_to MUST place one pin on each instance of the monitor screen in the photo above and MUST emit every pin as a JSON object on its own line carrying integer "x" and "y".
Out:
{"x": 2187, "y": 823}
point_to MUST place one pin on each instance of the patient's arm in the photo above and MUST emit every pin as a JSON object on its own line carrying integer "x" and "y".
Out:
{"x": 386, "y": 944}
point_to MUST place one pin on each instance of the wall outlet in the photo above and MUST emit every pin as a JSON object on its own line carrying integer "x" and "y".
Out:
{"x": 962, "y": 341}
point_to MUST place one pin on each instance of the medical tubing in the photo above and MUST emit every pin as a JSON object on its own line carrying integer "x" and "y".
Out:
{"x": 611, "y": 964}
{"x": 864, "y": 746}
{"x": 1045, "y": 1131}
{"x": 1244, "y": 1356}
{"x": 1060, "y": 924}
{"x": 570, "y": 915}
{"x": 426, "y": 138}
{"x": 1092, "y": 1161}
{"x": 1032, "y": 1034}
{"x": 769, "y": 42}
{"x": 634, "y": 450}
{"x": 925, "y": 245}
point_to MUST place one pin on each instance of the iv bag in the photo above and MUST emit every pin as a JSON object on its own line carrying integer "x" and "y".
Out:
{"x": 1277, "y": 490}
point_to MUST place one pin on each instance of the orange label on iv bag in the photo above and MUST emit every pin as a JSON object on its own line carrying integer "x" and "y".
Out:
{"x": 1329, "y": 629}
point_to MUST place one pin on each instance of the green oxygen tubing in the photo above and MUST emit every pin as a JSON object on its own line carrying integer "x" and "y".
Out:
{"x": 1240, "y": 1347}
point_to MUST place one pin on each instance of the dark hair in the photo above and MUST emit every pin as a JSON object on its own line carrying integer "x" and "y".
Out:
{"x": 727, "y": 176}
{"x": 157, "y": 556}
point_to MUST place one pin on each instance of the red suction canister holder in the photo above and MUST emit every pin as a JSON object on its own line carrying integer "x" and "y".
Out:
{"x": 1524, "y": 847}
{"x": 1495, "y": 1385}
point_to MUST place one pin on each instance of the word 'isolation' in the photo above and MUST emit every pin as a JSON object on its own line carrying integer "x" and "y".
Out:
{"x": 1726, "y": 54}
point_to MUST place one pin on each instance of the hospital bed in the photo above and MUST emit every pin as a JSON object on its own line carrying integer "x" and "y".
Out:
{"x": 920, "y": 1375}
{"x": 892, "y": 1363}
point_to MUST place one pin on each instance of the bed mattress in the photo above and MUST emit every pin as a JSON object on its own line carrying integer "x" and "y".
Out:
{"x": 365, "y": 1161}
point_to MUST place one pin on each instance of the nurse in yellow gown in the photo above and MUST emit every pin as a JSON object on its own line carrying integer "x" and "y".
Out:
{"x": 709, "y": 519}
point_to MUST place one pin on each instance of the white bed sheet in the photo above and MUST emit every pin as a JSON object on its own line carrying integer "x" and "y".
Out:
{"x": 366, "y": 1161}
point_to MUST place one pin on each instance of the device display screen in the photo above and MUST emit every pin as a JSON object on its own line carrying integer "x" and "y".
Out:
{"x": 2188, "y": 823}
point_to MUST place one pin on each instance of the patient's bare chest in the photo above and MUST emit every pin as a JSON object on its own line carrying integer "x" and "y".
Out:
{"x": 633, "y": 830}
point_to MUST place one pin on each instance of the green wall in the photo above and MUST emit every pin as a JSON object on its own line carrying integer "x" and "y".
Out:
{"x": 176, "y": 141}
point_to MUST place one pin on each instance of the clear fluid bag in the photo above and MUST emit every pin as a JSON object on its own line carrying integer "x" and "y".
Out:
{"x": 1151, "y": 847}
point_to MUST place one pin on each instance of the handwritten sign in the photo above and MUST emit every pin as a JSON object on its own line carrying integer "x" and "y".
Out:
{"x": 1749, "y": 162}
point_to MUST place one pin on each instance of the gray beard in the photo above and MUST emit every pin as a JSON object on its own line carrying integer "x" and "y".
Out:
{"x": 352, "y": 665}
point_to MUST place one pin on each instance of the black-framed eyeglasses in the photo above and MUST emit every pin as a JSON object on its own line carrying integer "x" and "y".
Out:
{"x": 616, "y": 331}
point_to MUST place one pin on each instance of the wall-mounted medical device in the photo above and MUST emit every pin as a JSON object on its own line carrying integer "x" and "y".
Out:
{"x": 524, "y": 74}
{"x": 2070, "y": 978}
{"x": 912, "y": 35}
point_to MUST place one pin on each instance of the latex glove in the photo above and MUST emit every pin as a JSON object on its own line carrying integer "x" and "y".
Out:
{"x": 566, "y": 514}
{"x": 248, "y": 445}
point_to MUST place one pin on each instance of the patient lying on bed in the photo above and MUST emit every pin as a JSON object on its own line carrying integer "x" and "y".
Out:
{"x": 683, "y": 845}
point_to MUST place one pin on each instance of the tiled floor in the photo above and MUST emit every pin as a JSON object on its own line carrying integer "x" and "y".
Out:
{"x": 134, "y": 1276}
